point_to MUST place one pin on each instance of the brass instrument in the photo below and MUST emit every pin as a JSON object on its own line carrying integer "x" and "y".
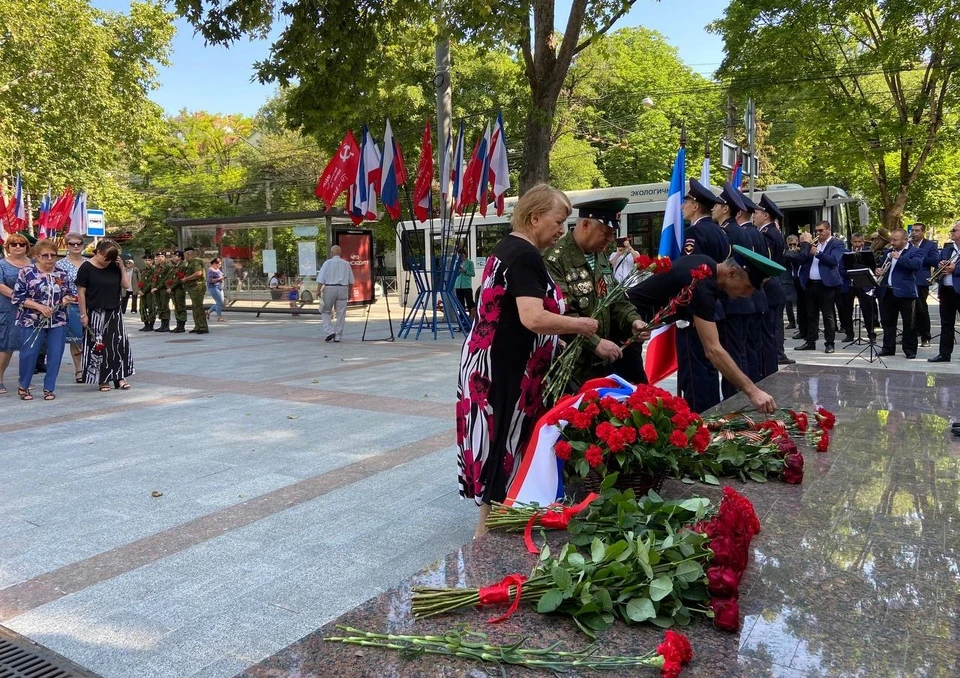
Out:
{"x": 885, "y": 269}
{"x": 940, "y": 271}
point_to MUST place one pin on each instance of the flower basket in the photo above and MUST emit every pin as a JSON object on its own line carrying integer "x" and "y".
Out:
{"x": 640, "y": 482}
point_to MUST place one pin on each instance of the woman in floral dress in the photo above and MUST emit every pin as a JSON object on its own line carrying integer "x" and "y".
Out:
{"x": 509, "y": 350}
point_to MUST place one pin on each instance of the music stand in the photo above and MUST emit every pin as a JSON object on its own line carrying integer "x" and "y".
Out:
{"x": 860, "y": 268}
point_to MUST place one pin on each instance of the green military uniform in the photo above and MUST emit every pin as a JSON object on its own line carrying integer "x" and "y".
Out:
{"x": 196, "y": 289}
{"x": 584, "y": 279}
{"x": 164, "y": 271}
{"x": 178, "y": 294}
{"x": 148, "y": 311}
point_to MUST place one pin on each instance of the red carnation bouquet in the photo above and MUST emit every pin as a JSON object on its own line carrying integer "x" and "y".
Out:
{"x": 812, "y": 427}
{"x": 562, "y": 369}
{"x": 667, "y": 315}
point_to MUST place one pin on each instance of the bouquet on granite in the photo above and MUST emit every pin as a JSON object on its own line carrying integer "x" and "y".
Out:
{"x": 560, "y": 372}
{"x": 748, "y": 455}
{"x": 670, "y": 656}
{"x": 794, "y": 423}
{"x": 663, "y": 573}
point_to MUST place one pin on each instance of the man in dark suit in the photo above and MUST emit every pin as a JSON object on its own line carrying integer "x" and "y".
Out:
{"x": 754, "y": 323}
{"x": 821, "y": 276}
{"x": 930, "y": 258}
{"x": 898, "y": 294}
{"x": 949, "y": 296}
{"x": 868, "y": 302}
{"x": 766, "y": 218}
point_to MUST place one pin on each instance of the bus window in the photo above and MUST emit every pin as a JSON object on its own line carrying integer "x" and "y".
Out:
{"x": 488, "y": 235}
{"x": 840, "y": 220}
{"x": 644, "y": 232}
{"x": 797, "y": 220}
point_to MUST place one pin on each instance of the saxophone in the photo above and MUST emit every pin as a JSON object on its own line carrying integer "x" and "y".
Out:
{"x": 940, "y": 271}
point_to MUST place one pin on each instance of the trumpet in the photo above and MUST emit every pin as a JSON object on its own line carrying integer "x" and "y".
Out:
{"x": 884, "y": 270}
{"x": 940, "y": 271}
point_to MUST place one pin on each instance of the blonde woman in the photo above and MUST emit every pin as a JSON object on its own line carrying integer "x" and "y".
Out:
{"x": 17, "y": 250}
{"x": 509, "y": 348}
{"x": 70, "y": 264}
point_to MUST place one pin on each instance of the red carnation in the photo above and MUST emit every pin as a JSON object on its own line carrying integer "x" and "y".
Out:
{"x": 678, "y": 438}
{"x": 594, "y": 456}
{"x": 568, "y": 413}
{"x": 675, "y": 647}
{"x": 726, "y": 614}
{"x": 180, "y": 275}
{"x": 616, "y": 443}
{"x": 591, "y": 396}
{"x": 642, "y": 261}
{"x": 140, "y": 285}
{"x": 628, "y": 434}
{"x": 606, "y": 402}
{"x": 648, "y": 433}
{"x": 823, "y": 444}
{"x": 670, "y": 669}
{"x": 662, "y": 265}
{"x": 581, "y": 421}
{"x": 620, "y": 411}
{"x": 701, "y": 440}
{"x": 701, "y": 272}
{"x": 562, "y": 449}
{"x": 723, "y": 582}
{"x": 826, "y": 419}
{"x": 800, "y": 419}
{"x": 591, "y": 410}
{"x": 604, "y": 430}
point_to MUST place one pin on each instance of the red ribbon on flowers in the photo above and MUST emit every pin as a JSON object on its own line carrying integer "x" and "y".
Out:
{"x": 553, "y": 520}
{"x": 500, "y": 593}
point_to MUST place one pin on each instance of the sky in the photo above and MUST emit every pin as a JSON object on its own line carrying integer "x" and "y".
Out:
{"x": 219, "y": 79}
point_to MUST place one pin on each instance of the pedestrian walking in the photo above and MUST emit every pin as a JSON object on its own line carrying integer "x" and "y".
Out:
{"x": 69, "y": 266}
{"x": 215, "y": 280}
{"x": 17, "y": 249}
{"x": 333, "y": 287}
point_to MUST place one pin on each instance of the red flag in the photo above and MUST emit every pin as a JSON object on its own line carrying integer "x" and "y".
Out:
{"x": 471, "y": 178}
{"x": 60, "y": 211}
{"x": 423, "y": 184}
{"x": 339, "y": 172}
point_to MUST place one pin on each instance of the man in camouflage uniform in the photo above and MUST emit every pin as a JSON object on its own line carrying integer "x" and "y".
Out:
{"x": 196, "y": 285}
{"x": 163, "y": 292}
{"x": 178, "y": 292}
{"x": 148, "y": 312}
{"x": 579, "y": 266}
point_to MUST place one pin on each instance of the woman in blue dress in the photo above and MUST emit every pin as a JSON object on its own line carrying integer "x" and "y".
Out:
{"x": 16, "y": 248}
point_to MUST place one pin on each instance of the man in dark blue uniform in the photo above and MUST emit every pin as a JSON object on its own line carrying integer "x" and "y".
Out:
{"x": 765, "y": 218}
{"x": 698, "y": 379}
{"x": 733, "y": 329}
{"x": 754, "y": 325}
{"x": 931, "y": 256}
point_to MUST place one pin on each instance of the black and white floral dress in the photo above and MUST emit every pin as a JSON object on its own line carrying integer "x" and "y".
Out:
{"x": 502, "y": 366}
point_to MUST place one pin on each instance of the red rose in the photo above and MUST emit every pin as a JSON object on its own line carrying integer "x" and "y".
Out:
{"x": 786, "y": 446}
{"x": 723, "y": 582}
{"x": 678, "y": 438}
{"x": 826, "y": 419}
{"x": 140, "y": 285}
{"x": 726, "y": 614}
{"x": 728, "y": 553}
{"x": 794, "y": 461}
{"x": 594, "y": 456}
{"x": 562, "y": 449}
{"x": 662, "y": 265}
{"x": 823, "y": 444}
{"x": 648, "y": 433}
{"x": 701, "y": 272}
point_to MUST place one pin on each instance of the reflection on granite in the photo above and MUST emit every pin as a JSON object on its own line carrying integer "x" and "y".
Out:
{"x": 855, "y": 573}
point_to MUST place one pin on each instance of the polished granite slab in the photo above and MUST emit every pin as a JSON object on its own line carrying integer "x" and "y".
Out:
{"x": 856, "y": 572}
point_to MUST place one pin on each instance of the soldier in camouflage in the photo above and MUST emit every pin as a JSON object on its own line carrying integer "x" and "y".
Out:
{"x": 148, "y": 313}
{"x": 163, "y": 292}
{"x": 196, "y": 285}
{"x": 580, "y": 268}
{"x": 178, "y": 292}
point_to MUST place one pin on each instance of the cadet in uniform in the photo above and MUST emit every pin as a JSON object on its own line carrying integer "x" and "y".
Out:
{"x": 698, "y": 379}
{"x": 177, "y": 291}
{"x": 754, "y": 328}
{"x": 196, "y": 285}
{"x": 581, "y": 269}
{"x": 147, "y": 310}
{"x": 772, "y": 326}
{"x": 736, "y": 277}
{"x": 737, "y": 310}
{"x": 162, "y": 293}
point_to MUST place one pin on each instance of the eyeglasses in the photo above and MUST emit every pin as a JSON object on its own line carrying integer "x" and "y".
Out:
{"x": 74, "y": 244}
{"x": 47, "y": 255}
{"x": 17, "y": 244}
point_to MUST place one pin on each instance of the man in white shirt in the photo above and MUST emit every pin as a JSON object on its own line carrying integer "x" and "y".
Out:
{"x": 333, "y": 287}
{"x": 621, "y": 261}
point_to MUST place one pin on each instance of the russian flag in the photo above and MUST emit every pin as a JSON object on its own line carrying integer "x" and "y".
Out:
{"x": 499, "y": 171}
{"x": 392, "y": 174}
{"x": 18, "y": 209}
{"x": 539, "y": 478}
{"x": 355, "y": 207}
{"x": 483, "y": 181}
{"x": 368, "y": 178}
{"x": 661, "y": 359}
{"x": 78, "y": 215}
{"x": 456, "y": 173}
{"x": 446, "y": 172}
{"x": 737, "y": 178}
{"x": 44, "y": 216}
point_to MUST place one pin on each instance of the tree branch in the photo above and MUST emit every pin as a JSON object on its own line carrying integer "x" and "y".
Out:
{"x": 606, "y": 27}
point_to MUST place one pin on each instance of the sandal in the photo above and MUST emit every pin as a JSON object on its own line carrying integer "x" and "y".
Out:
{"x": 78, "y": 376}
{"x": 122, "y": 385}
{"x": 3, "y": 390}
{"x": 24, "y": 393}
{"x": 49, "y": 395}
{"x": 105, "y": 387}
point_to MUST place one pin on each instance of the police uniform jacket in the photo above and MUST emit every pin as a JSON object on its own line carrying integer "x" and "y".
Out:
{"x": 737, "y": 235}
{"x": 759, "y": 245}
{"x": 583, "y": 287}
{"x": 776, "y": 245}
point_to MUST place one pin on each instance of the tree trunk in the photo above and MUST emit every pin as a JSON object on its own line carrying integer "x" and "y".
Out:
{"x": 537, "y": 144}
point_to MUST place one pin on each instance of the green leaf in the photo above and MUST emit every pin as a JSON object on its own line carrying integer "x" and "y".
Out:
{"x": 689, "y": 571}
{"x": 710, "y": 479}
{"x": 549, "y": 601}
{"x": 608, "y": 481}
{"x": 663, "y": 622}
{"x": 660, "y": 588}
{"x": 757, "y": 477}
{"x": 562, "y": 578}
{"x": 640, "y": 609}
{"x": 597, "y": 550}
{"x": 576, "y": 560}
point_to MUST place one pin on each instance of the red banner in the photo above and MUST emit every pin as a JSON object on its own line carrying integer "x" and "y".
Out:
{"x": 356, "y": 248}
{"x": 340, "y": 172}
{"x": 423, "y": 184}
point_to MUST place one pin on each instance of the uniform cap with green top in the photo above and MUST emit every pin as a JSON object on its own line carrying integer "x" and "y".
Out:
{"x": 607, "y": 212}
{"x": 758, "y": 267}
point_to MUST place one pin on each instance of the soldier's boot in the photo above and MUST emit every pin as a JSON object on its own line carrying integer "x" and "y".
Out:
{"x": 164, "y": 326}
{"x": 180, "y": 327}
{"x": 146, "y": 328}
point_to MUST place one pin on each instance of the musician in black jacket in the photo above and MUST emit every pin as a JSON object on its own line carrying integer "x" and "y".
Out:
{"x": 949, "y": 294}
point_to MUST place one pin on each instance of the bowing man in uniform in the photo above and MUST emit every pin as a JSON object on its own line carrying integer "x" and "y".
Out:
{"x": 821, "y": 275}
{"x": 949, "y": 295}
{"x": 754, "y": 328}
{"x": 921, "y": 313}
{"x": 582, "y": 271}
{"x": 698, "y": 379}
{"x": 765, "y": 218}
{"x": 737, "y": 277}
{"x": 733, "y": 330}
{"x": 898, "y": 294}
